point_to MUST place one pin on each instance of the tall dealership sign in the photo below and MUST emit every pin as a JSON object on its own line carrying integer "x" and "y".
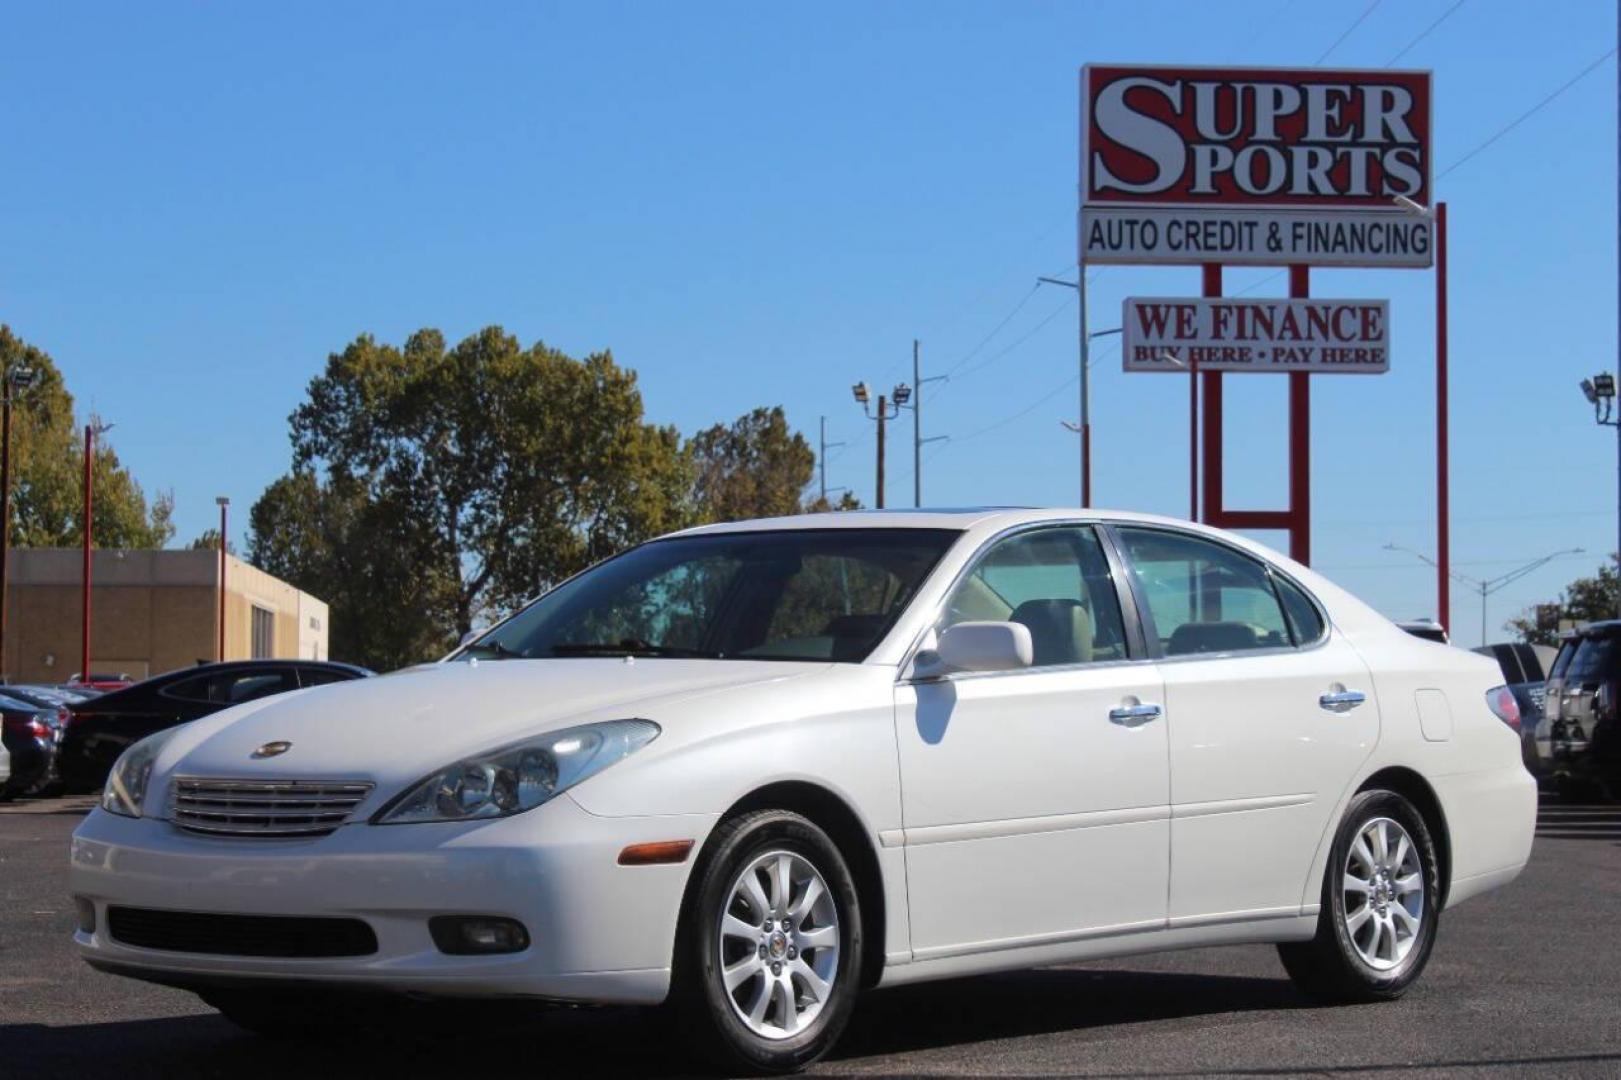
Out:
{"x": 1298, "y": 168}
{"x": 1257, "y": 166}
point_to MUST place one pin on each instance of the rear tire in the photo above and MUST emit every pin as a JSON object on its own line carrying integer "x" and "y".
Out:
{"x": 769, "y": 957}
{"x": 1380, "y": 905}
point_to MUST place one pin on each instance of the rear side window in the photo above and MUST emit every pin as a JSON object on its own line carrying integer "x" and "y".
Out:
{"x": 1594, "y": 661}
{"x": 1304, "y": 620}
{"x": 1205, "y": 597}
{"x": 1561, "y": 662}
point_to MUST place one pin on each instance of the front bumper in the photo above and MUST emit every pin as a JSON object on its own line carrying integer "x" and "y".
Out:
{"x": 599, "y": 932}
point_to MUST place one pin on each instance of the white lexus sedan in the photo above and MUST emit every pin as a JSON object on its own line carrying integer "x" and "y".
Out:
{"x": 753, "y": 769}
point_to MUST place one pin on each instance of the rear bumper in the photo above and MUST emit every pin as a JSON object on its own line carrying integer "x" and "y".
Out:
{"x": 599, "y": 932}
{"x": 1491, "y": 820}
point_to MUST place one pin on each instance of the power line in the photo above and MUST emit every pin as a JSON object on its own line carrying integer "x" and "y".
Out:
{"x": 1424, "y": 33}
{"x": 1532, "y": 111}
{"x": 997, "y": 329}
{"x": 1360, "y": 19}
{"x": 1032, "y": 332}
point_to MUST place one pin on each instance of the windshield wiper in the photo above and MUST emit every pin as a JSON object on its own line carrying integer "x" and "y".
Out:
{"x": 623, "y": 647}
{"x": 494, "y": 650}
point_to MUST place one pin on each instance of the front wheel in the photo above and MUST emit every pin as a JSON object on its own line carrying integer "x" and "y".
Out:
{"x": 1380, "y": 906}
{"x": 770, "y": 955}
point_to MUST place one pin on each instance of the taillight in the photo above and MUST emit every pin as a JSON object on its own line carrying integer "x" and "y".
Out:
{"x": 1500, "y": 700}
{"x": 28, "y": 725}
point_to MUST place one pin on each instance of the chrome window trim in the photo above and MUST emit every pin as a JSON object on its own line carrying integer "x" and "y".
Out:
{"x": 1117, "y": 567}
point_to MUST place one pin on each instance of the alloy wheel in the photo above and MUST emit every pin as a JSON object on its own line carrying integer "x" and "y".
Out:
{"x": 779, "y": 944}
{"x": 1383, "y": 893}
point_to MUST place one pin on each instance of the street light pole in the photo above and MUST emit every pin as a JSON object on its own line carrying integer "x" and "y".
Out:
{"x": 224, "y": 502}
{"x": 91, "y": 430}
{"x": 1486, "y": 586}
{"x": 1084, "y": 428}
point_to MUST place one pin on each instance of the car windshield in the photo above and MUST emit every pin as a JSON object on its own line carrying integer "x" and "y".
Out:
{"x": 801, "y": 594}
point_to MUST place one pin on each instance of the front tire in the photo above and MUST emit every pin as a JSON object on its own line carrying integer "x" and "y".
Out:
{"x": 769, "y": 960}
{"x": 1380, "y": 906}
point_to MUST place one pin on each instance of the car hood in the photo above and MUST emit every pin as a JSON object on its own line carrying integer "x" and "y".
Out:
{"x": 398, "y": 728}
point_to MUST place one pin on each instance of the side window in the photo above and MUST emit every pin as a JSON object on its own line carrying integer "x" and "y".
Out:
{"x": 1304, "y": 621}
{"x": 1054, "y": 581}
{"x": 233, "y": 688}
{"x": 1204, "y": 597}
{"x": 312, "y": 676}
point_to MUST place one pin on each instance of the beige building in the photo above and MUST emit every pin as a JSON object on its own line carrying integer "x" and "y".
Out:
{"x": 151, "y": 612}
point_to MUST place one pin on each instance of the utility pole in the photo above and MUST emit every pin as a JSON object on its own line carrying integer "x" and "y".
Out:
{"x": 887, "y": 411}
{"x": 1084, "y": 428}
{"x": 821, "y": 456}
{"x": 91, "y": 430}
{"x": 917, "y": 419}
{"x": 16, "y": 380}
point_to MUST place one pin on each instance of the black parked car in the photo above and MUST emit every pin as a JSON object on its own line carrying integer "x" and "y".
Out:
{"x": 30, "y": 730}
{"x": 1580, "y": 737}
{"x": 1523, "y": 674}
{"x": 101, "y": 729}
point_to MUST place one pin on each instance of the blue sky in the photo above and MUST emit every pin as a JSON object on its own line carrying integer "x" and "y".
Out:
{"x": 760, "y": 204}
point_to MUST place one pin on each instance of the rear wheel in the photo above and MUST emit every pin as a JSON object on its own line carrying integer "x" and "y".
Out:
{"x": 770, "y": 955}
{"x": 1380, "y": 905}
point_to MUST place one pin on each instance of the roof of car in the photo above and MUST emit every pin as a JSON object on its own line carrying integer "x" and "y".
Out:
{"x": 927, "y": 518}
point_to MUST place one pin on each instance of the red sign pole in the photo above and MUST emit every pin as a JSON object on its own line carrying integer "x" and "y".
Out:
{"x": 1211, "y": 282}
{"x": 1300, "y": 440}
{"x": 1443, "y": 529}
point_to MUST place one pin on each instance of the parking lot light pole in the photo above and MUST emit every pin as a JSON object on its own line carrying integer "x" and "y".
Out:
{"x": 915, "y": 394}
{"x": 16, "y": 381}
{"x": 886, "y": 411}
{"x": 1084, "y": 428}
{"x": 224, "y": 502}
{"x": 91, "y": 430}
{"x": 1486, "y": 586}
{"x": 1600, "y": 393}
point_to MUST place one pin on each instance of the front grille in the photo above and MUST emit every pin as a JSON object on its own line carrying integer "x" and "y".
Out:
{"x": 292, "y": 937}
{"x": 269, "y": 808}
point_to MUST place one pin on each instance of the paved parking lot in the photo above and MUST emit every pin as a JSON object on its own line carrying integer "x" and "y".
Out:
{"x": 1527, "y": 979}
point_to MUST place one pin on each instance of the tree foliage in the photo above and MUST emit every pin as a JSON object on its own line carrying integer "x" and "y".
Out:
{"x": 434, "y": 488}
{"x": 755, "y": 467}
{"x": 438, "y": 485}
{"x": 1587, "y": 599}
{"x": 47, "y": 469}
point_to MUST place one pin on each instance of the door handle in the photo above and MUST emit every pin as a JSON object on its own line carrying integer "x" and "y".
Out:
{"x": 1342, "y": 700}
{"x": 1134, "y": 715}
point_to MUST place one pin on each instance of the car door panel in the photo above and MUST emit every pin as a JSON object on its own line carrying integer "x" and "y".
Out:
{"x": 1029, "y": 813}
{"x": 1258, "y": 765}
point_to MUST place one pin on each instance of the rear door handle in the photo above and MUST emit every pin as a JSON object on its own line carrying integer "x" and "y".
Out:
{"x": 1342, "y": 700}
{"x": 1134, "y": 715}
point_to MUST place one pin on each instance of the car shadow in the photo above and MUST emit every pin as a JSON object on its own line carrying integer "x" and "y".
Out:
{"x": 631, "y": 1042}
{"x": 1043, "y": 1001}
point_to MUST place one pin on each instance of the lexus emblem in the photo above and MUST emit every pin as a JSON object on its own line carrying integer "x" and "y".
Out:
{"x": 272, "y": 749}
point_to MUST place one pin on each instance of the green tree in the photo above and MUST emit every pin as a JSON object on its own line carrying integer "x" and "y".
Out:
{"x": 756, "y": 467}
{"x": 47, "y": 469}
{"x": 822, "y": 504}
{"x": 209, "y": 540}
{"x": 432, "y": 486}
{"x": 1587, "y": 599}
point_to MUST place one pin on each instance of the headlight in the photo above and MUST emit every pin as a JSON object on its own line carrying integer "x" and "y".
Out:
{"x": 518, "y": 777}
{"x": 126, "y": 784}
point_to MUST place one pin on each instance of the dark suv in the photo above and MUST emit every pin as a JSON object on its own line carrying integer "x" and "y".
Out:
{"x": 1579, "y": 741}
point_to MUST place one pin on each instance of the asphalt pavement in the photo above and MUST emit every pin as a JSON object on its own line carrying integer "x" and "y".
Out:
{"x": 1525, "y": 980}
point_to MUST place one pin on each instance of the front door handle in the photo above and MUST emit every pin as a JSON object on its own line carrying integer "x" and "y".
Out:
{"x": 1342, "y": 700}
{"x": 1134, "y": 715}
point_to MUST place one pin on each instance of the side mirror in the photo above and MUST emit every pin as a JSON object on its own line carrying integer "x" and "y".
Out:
{"x": 976, "y": 646}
